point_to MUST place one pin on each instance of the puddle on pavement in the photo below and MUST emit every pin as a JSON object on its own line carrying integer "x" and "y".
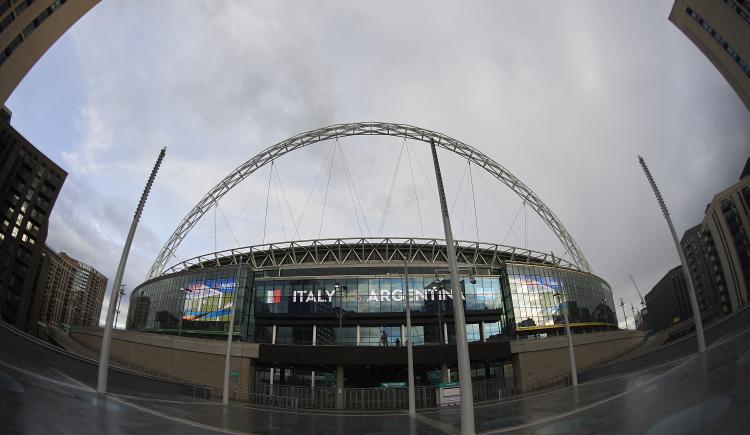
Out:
{"x": 744, "y": 358}
{"x": 10, "y": 383}
{"x": 95, "y": 401}
{"x": 575, "y": 425}
{"x": 692, "y": 418}
{"x": 501, "y": 422}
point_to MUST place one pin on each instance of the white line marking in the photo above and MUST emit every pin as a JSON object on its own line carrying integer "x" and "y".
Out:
{"x": 174, "y": 401}
{"x": 556, "y": 390}
{"x": 42, "y": 378}
{"x": 439, "y": 425}
{"x": 589, "y": 406}
{"x": 638, "y": 386}
{"x": 73, "y": 380}
{"x": 140, "y": 408}
{"x": 179, "y": 419}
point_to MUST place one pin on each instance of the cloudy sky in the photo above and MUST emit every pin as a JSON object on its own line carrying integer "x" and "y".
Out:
{"x": 564, "y": 95}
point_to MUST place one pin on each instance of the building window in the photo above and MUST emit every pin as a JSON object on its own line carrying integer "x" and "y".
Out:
{"x": 23, "y": 5}
{"x": 6, "y": 21}
{"x": 738, "y": 10}
{"x": 10, "y": 48}
{"x": 41, "y": 17}
{"x": 720, "y": 40}
{"x": 4, "y": 6}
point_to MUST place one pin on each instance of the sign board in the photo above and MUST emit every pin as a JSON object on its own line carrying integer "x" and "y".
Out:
{"x": 234, "y": 374}
{"x": 433, "y": 377}
{"x": 448, "y": 396}
{"x": 393, "y": 385}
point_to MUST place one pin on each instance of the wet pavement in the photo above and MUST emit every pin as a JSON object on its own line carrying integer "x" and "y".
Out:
{"x": 696, "y": 394}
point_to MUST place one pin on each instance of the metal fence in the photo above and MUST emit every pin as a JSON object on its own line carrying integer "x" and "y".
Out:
{"x": 288, "y": 396}
{"x": 494, "y": 389}
{"x": 364, "y": 399}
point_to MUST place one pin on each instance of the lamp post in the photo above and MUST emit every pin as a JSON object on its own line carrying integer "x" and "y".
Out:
{"x": 462, "y": 345}
{"x": 228, "y": 358}
{"x": 571, "y": 351}
{"x": 101, "y": 382}
{"x": 622, "y": 305}
{"x": 409, "y": 350}
{"x": 683, "y": 261}
{"x": 119, "y": 300}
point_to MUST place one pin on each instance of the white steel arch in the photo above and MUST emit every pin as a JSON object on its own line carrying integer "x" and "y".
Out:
{"x": 366, "y": 129}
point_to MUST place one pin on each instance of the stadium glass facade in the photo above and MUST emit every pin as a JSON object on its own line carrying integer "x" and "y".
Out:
{"x": 199, "y": 302}
{"x": 360, "y": 305}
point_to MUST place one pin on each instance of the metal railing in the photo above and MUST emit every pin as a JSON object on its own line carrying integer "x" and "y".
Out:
{"x": 494, "y": 389}
{"x": 289, "y": 396}
{"x": 363, "y": 399}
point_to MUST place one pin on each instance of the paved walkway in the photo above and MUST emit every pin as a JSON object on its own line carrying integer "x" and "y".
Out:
{"x": 697, "y": 394}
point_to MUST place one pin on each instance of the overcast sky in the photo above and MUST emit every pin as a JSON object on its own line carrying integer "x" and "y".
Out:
{"x": 564, "y": 95}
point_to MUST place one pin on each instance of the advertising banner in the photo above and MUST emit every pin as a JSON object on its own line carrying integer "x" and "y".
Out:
{"x": 209, "y": 300}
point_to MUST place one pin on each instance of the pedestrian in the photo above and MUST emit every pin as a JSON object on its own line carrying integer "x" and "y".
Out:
{"x": 398, "y": 342}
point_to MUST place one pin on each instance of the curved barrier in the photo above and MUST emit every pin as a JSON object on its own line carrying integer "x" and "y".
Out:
{"x": 33, "y": 351}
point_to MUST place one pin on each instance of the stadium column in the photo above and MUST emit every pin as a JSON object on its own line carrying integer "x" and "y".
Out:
{"x": 339, "y": 386}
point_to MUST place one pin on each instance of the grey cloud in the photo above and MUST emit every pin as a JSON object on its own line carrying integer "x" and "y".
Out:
{"x": 564, "y": 96}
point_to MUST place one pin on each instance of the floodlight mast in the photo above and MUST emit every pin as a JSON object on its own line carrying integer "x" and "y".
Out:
{"x": 683, "y": 261}
{"x": 462, "y": 346}
{"x": 101, "y": 384}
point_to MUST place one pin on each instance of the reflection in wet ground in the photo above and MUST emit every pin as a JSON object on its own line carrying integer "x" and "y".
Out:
{"x": 695, "y": 394}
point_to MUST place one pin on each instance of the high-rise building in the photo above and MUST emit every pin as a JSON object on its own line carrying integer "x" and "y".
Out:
{"x": 710, "y": 289}
{"x": 29, "y": 185}
{"x": 727, "y": 232}
{"x": 72, "y": 291}
{"x": 721, "y": 30}
{"x": 668, "y": 301}
{"x": 28, "y": 28}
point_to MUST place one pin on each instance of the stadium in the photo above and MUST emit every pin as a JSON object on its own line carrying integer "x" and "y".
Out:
{"x": 338, "y": 305}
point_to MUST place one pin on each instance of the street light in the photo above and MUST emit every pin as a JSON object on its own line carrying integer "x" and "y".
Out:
{"x": 230, "y": 332}
{"x": 462, "y": 345}
{"x": 106, "y": 347}
{"x": 685, "y": 271}
{"x": 625, "y": 316}
{"x": 571, "y": 351}
{"x": 119, "y": 300}
{"x": 409, "y": 350}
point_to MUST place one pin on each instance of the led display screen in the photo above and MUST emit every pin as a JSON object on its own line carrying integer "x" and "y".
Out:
{"x": 209, "y": 300}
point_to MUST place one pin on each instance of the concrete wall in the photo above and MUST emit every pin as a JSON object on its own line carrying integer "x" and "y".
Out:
{"x": 536, "y": 362}
{"x": 191, "y": 359}
{"x": 39, "y": 356}
{"x": 540, "y": 362}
